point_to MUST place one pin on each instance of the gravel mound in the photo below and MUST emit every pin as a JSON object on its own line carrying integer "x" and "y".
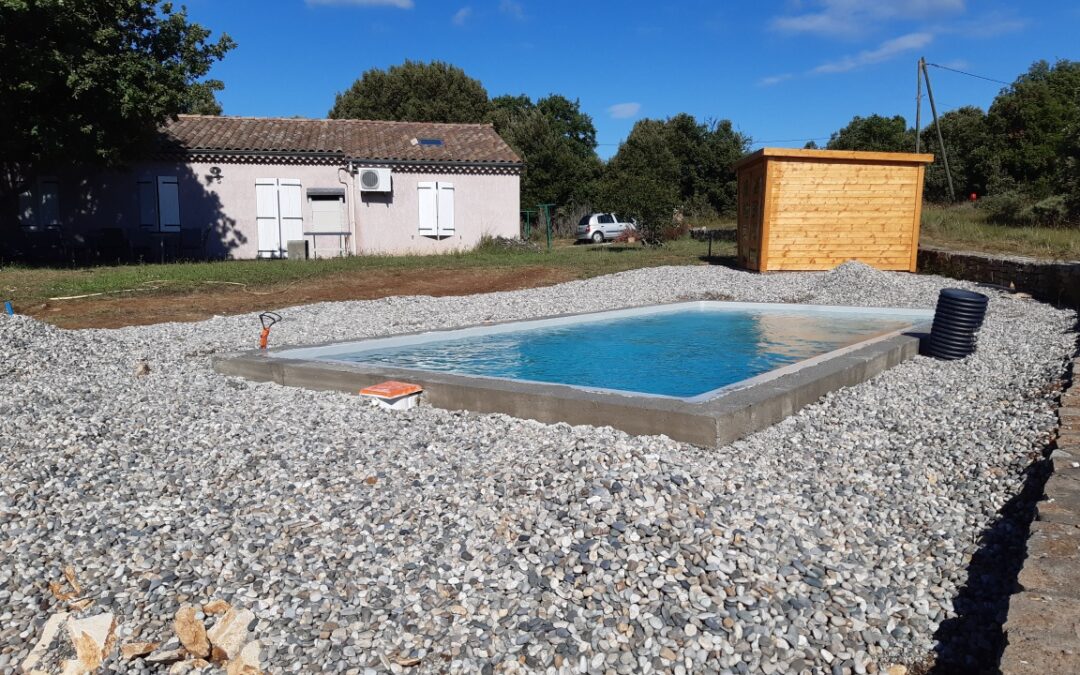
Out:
{"x": 436, "y": 541}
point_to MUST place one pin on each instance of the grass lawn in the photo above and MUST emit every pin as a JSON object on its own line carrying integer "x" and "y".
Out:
{"x": 112, "y": 296}
{"x": 965, "y": 228}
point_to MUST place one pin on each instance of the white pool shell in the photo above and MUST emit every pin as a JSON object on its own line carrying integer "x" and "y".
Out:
{"x": 327, "y": 353}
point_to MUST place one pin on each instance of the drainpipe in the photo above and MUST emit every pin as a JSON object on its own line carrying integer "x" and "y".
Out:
{"x": 350, "y": 192}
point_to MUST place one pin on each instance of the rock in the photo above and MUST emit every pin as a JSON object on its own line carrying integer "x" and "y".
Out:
{"x": 247, "y": 662}
{"x": 216, "y": 606}
{"x": 48, "y": 635}
{"x": 93, "y": 638}
{"x": 896, "y": 670}
{"x": 136, "y": 649}
{"x": 142, "y": 369}
{"x": 168, "y": 656}
{"x": 667, "y": 653}
{"x": 229, "y": 635}
{"x": 191, "y": 631}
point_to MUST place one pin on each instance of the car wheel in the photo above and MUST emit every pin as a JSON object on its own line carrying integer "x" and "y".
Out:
{"x": 598, "y": 237}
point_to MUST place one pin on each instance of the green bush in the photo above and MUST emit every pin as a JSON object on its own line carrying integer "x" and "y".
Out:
{"x": 1013, "y": 208}
{"x": 1004, "y": 208}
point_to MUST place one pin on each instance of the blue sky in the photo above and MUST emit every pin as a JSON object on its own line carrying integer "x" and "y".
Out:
{"x": 782, "y": 71}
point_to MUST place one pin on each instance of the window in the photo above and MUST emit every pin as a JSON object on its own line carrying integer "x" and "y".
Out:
{"x": 40, "y": 205}
{"x": 584, "y": 220}
{"x": 605, "y": 218}
{"x": 436, "y": 201}
{"x": 159, "y": 203}
{"x": 430, "y": 141}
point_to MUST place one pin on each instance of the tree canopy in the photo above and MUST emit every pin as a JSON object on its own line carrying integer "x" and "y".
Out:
{"x": 414, "y": 92}
{"x": 91, "y": 82}
{"x": 557, "y": 141}
{"x": 677, "y": 165}
{"x": 874, "y": 133}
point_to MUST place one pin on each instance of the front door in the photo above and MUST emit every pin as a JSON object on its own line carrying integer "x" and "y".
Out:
{"x": 279, "y": 215}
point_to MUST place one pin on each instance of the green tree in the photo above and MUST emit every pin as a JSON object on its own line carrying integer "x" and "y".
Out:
{"x": 670, "y": 166}
{"x": 557, "y": 141}
{"x": 642, "y": 180}
{"x": 414, "y": 92}
{"x": 971, "y": 149}
{"x": 201, "y": 99}
{"x": 1032, "y": 121}
{"x": 875, "y": 134}
{"x": 91, "y": 81}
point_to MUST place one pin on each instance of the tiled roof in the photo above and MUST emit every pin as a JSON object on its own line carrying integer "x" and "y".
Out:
{"x": 349, "y": 139}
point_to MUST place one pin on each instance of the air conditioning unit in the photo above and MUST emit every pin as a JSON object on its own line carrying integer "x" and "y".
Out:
{"x": 375, "y": 180}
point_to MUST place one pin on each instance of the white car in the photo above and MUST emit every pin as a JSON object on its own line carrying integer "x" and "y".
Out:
{"x": 601, "y": 227}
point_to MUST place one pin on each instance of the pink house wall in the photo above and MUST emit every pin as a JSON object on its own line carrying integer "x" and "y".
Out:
{"x": 382, "y": 223}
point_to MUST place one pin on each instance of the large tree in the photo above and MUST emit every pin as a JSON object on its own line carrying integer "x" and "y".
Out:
{"x": 414, "y": 92}
{"x": 971, "y": 152}
{"x": 874, "y": 133}
{"x": 91, "y": 81}
{"x": 673, "y": 165}
{"x": 558, "y": 143}
{"x": 1034, "y": 120}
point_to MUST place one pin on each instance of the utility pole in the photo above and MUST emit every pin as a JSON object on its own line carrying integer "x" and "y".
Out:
{"x": 937, "y": 125}
{"x": 918, "y": 102}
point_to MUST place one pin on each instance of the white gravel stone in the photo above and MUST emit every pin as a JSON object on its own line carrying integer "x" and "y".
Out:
{"x": 845, "y": 530}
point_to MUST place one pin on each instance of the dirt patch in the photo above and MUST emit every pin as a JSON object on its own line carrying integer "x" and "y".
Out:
{"x": 140, "y": 309}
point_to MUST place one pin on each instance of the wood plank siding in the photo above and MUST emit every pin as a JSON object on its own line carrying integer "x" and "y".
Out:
{"x": 815, "y": 209}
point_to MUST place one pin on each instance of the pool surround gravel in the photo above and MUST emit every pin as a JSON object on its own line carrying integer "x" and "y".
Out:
{"x": 362, "y": 539}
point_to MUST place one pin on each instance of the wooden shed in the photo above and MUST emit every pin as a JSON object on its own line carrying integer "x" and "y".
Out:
{"x": 814, "y": 209}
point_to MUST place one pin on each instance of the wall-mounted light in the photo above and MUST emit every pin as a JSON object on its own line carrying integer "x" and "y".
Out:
{"x": 215, "y": 173}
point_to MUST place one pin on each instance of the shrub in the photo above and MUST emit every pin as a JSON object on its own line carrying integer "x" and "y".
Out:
{"x": 1004, "y": 208}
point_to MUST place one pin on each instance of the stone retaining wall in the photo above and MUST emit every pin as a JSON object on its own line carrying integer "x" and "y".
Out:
{"x": 1043, "y": 628}
{"x": 1054, "y": 282}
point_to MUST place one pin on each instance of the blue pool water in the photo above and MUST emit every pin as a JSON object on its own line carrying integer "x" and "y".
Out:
{"x": 681, "y": 353}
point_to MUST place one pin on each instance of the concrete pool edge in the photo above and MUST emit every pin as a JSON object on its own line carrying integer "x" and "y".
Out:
{"x": 718, "y": 421}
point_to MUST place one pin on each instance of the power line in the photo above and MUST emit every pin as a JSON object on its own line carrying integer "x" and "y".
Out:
{"x": 988, "y": 79}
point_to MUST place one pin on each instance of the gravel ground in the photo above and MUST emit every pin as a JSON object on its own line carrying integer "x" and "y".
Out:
{"x": 834, "y": 541}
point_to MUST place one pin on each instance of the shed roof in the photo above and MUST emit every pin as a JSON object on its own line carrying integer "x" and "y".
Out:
{"x": 360, "y": 140}
{"x": 849, "y": 155}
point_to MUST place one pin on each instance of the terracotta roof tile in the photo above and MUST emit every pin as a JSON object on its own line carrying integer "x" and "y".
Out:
{"x": 352, "y": 139}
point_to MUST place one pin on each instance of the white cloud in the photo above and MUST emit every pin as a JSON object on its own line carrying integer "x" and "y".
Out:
{"x": 774, "y": 79}
{"x": 400, "y": 4}
{"x": 887, "y": 50}
{"x": 512, "y": 8}
{"x": 852, "y": 18}
{"x": 621, "y": 111}
{"x": 461, "y": 16}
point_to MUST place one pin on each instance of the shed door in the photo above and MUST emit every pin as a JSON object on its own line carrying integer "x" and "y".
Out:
{"x": 751, "y": 215}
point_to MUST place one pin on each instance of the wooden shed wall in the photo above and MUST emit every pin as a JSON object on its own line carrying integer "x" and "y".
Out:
{"x": 814, "y": 209}
{"x": 821, "y": 213}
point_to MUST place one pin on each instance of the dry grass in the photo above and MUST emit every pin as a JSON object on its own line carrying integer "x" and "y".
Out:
{"x": 965, "y": 228}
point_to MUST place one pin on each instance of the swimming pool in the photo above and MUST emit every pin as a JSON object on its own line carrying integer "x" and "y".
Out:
{"x": 700, "y": 371}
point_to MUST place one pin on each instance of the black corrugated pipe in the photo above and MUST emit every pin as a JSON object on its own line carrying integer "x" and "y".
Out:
{"x": 957, "y": 319}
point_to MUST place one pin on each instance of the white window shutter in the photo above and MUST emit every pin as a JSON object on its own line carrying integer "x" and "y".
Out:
{"x": 147, "y": 203}
{"x": 27, "y": 214}
{"x": 168, "y": 203}
{"x": 266, "y": 217}
{"x": 291, "y": 205}
{"x": 446, "y": 209}
{"x": 429, "y": 213}
{"x": 49, "y": 215}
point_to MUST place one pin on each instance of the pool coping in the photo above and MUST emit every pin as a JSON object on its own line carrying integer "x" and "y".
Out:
{"x": 714, "y": 422}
